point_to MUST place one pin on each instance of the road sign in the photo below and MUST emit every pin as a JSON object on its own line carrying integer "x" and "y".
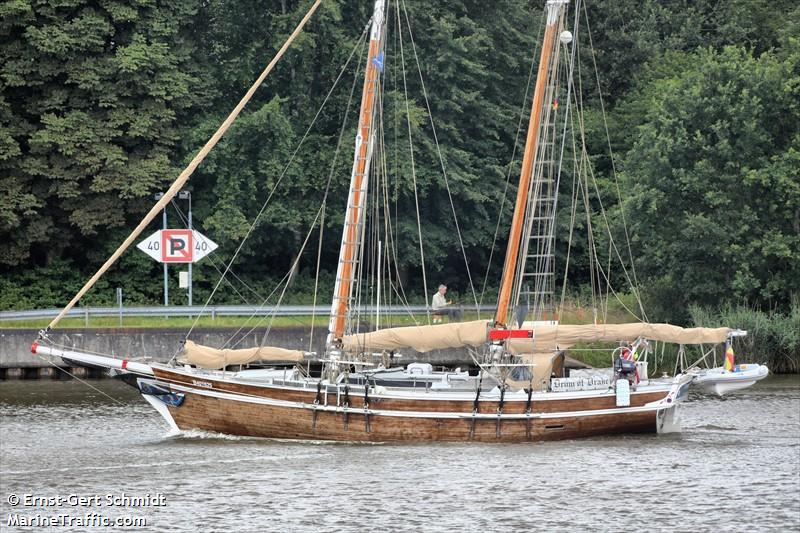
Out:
{"x": 177, "y": 246}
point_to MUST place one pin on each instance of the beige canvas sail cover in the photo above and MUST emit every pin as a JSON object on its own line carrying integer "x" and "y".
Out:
{"x": 554, "y": 337}
{"x": 207, "y": 357}
{"x": 546, "y": 337}
{"x": 420, "y": 338}
{"x": 542, "y": 367}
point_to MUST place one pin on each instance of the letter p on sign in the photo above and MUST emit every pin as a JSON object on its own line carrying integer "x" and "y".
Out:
{"x": 177, "y": 246}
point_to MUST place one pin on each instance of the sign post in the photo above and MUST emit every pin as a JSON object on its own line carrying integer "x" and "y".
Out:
{"x": 187, "y": 195}
{"x": 166, "y": 279}
{"x": 158, "y": 196}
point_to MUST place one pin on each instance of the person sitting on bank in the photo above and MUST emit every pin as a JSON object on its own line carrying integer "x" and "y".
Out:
{"x": 441, "y": 307}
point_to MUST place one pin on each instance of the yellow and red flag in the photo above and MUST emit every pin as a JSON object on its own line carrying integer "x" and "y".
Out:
{"x": 729, "y": 359}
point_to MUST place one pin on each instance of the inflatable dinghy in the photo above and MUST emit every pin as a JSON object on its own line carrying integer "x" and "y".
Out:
{"x": 720, "y": 381}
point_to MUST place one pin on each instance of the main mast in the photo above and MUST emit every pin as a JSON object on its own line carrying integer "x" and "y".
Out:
{"x": 359, "y": 179}
{"x": 555, "y": 14}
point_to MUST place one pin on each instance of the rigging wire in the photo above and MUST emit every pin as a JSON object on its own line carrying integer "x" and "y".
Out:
{"x": 261, "y": 211}
{"x": 413, "y": 167}
{"x": 594, "y": 268}
{"x": 324, "y": 203}
{"x": 635, "y": 283}
{"x": 577, "y": 188}
{"x": 320, "y": 213}
{"x": 441, "y": 161}
{"x": 84, "y": 382}
{"x": 567, "y": 120}
{"x": 392, "y": 244}
{"x": 513, "y": 156}
{"x": 597, "y": 273}
{"x": 572, "y": 218}
{"x": 316, "y": 278}
{"x": 392, "y": 234}
{"x": 396, "y": 143}
{"x": 389, "y": 235}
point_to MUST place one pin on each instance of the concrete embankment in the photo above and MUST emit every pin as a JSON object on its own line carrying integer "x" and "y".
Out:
{"x": 159, "y": 345}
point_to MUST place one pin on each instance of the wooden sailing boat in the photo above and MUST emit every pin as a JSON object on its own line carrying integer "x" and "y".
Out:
{"x": 200, "y": 394}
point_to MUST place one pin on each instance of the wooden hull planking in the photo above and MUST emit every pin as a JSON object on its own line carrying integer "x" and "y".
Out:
{"x": 248, "y": 418}
{"x": 283, "y": 413}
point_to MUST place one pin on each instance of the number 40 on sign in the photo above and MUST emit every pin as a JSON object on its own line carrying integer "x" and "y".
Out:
{"x": 177, "y": 246}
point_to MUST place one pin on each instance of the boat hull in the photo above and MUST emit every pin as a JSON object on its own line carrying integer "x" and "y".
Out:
{"x": 281, "y": 413}
{"x": 250, "y": 417}
{"x": 721, "y": 382}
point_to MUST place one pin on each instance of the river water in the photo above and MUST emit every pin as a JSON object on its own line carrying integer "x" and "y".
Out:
{"x": 73, "y": 455}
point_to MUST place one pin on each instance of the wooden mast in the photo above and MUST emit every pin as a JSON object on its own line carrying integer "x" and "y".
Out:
{"x": 555, "y": 10}
{"x": 354, "y": 218}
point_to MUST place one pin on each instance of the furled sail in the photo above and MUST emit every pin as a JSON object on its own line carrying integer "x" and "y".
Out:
{"x": 546, "y": 338}
{"x": 207, "y": 357}
{"x": 553, "y": 337}
{"x": 420, "y": 338}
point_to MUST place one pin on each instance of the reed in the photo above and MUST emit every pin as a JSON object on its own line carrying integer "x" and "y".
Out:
{"x": 772, "y": 337}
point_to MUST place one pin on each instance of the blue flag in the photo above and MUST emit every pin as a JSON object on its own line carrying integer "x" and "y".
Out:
{"x": 378, "y": 61}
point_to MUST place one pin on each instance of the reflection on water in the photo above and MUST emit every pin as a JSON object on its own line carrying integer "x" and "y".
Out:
{"x": 736, "y": 466}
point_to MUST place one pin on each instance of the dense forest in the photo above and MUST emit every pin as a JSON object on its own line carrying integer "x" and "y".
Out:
{"x": 103, "y": 102}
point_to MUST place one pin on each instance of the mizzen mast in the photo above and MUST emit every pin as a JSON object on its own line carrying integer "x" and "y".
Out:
{"x": 555, "y": 16}
{"x": 359, "y": 179}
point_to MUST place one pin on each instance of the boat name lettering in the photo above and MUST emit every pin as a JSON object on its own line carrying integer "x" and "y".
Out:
{"x": 578, "y": 384}
{"x": 204, "y": 384}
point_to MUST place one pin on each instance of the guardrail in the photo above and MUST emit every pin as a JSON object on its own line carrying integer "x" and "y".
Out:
{"x": 215, "y": 311}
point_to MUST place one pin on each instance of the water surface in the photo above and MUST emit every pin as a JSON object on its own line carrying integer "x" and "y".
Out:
{"x": 735, "y": 466}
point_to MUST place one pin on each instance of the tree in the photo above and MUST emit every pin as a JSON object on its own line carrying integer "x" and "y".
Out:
{"x": 91, "y": 94}
{"x": 715, "y": 203}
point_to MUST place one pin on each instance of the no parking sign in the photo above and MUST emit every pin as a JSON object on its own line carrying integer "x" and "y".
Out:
{"x": 177, "y": 246}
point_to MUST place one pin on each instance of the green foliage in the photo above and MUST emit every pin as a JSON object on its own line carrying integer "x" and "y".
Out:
{"x": 103, "y": 102}
{"x": 90, "y": 95}
{"x": 715, "y": 195}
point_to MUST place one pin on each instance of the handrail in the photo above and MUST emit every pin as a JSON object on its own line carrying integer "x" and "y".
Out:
{"x": 212, "y": 311}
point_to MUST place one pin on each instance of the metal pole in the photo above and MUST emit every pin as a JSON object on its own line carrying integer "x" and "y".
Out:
{"x": 166, "y": 281}
{"x": 119, "y": 303}
{"x": 193, "y": 243}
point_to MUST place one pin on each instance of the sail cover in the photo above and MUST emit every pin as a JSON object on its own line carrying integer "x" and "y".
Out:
{"x": 207, "y": 357}
{"x": 420, "y": 338}
{"x": 546, "y": 337}
{"x": 554, "y": 337}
